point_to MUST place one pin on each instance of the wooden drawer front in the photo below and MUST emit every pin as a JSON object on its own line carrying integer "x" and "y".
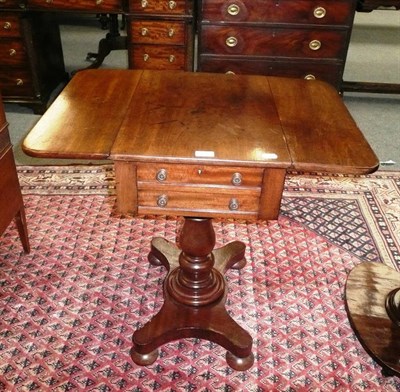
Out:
{"x": 330, "y": 72}
{"x": 170, "y": 7}
{"x": 11, "y": 4}
{"x": 322, "y": 12}
{"x": 273, "y": 42}
{"x": 199, "y": 174}
{"x": 160, "y": 57}
{"x": 198, "y": 201}
{"x": 86, "y": 5}
{"x": 12, "y": 52}
{"x": 160, "y": 32}
{"x": 16, "y": 83}
{"x": 9, "y": 25}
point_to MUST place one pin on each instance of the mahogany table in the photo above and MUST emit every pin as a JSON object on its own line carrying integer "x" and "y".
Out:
{"x": 200, "y": 146}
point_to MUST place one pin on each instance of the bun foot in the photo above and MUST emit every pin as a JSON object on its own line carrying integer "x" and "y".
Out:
{"x": 240, "y": 364}
{"x": 143, "y": 359}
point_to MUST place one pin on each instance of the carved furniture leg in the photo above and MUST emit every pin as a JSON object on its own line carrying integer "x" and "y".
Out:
{"x": 22, "y": 227}
{"x": 194, "y": 296}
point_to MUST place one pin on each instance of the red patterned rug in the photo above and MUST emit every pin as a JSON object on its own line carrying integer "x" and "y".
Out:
{"x": 69, "y": 308}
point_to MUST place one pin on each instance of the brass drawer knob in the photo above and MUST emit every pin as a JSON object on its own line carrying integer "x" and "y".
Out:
{"x": 314, "y": 44}
{"x": 319, "y": 12}
{"x": 144, "y": 31}
{"x": 230, "y": 73}
{"x": 49, "y": 1}
{"x": 12, "y": 52}
{"x": 171, "y": 32}
{"x": 233, "y": 204}
{"x": 171, "y": 58}
{"x": 236, "y": 179}
{"x": 7, "y": 26}
{"x": 144, "y": 3}
{"x": 162, "y": 200}
{"x": 231, "y": 42}
{"x": 146, "y": 57}
{"x": 19, "y": 82}
{"x": 233, "y": 9}
{"x": 309, "y": 77}
{"x": 98, "y": 2}
{"x": 172, "y": 5}
{"x": 161, "y": 175}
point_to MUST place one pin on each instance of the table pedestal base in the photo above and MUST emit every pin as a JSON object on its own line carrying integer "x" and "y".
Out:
{"x": 194, "y": 296}
{"x": 373, "y": 308}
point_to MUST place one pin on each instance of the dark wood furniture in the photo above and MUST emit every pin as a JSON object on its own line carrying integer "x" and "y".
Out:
{"x": 373, "y": 307}
{"x": 201, "y": 146}
{"x": 306, "y": 39}
{"x": 11, "y": 203}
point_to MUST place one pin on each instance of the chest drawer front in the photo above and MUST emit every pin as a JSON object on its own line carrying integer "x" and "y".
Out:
{"x": 198, "y": 201}
{"x": 9, "y": 25}
{"x": 322, "y": 12}
{"x": 161, "y": 32}
{"x": 200, "y": 174}
{"x": 273, "y": 42}
{"x": 158, "y": 57}
{"x": 12, "y": 52}
{"x": 95, "y": 5}
{"x": 330, "y": 72}
{"x": 170, "y": 7}
{"x": 16, "y": 83}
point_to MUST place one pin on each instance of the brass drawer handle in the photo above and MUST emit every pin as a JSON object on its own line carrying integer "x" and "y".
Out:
{"x": 146, "y": 57}
{"x": 19, "y": 82}
{"x": 233, "y": 9}
{"x": 144, "y": 3}
{"x": 161, "y": 175}
{"x": 319, "y": 12}
{"x": 172, "y": 5}
{"x": 144, "y": 31}
{"x": 162, "y": 200}
{"x": 12, "y": 52}
{"x": 171, "y": 58}
{"x": 231, "y": 42}
{"x": 309, "y": 77}
{"x": 315, "y": 44}
{"x": 233, "y": 204}
{"x": 7, "y": 26}
{"x": 171, "y": 32}
{"x": 236, "y": 179}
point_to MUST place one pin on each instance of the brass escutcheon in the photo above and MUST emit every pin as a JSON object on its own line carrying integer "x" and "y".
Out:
{"x": 231, "y": 42}
{"x": 314, "y": 44}
{"x": 98, "y": 2}
{"x": 319, "y": 12}
{"x": 19, "y": 82}
{"x": 144, "y": 3}
{"x": 233, "y": 9}
{"x": 7, "y": 26}
{"x": 172, "y": 5}
{"x": 171, "y": 58}
{"x": 12, "y": 52}
{"x": 144, "y": 31}
{"x": 171, "y": 32}
{"x": 146, "y": 57}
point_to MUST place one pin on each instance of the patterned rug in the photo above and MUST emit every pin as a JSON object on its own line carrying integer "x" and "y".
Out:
{"x": 69, "y": 308}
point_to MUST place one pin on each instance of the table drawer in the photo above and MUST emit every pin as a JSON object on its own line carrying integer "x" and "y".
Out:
{"x": 321, "y": 12}
{"x": 16, "y": 83}
{"x": 330, "y": 72}
{"x": 9, "y": 25}
{"x": 197, "y": 201}
{"x": 12, "y": 52}
{"x": 267, "y": 41}
{"x": 170, "y": 7}
{"x": 200, "y": 174}
{"x": 159, "y": 57}
{"x": 85, "y": 5}
{"x": 160, "y": 32}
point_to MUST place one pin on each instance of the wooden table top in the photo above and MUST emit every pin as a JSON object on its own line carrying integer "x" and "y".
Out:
{"x": 202, "y": 118}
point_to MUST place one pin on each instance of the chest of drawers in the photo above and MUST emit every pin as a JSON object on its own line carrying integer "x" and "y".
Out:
{"x": 160, "y": 34}
{"x": 31, "y": 59}
{"x": 301, "y": 38}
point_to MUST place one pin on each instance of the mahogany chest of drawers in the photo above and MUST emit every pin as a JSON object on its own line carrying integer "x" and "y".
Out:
{"x": 11, "y": 204}
{"x": 298, "y": 38}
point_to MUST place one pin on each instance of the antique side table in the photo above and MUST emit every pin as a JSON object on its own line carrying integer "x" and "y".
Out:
{"x": 200, "y": 145}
